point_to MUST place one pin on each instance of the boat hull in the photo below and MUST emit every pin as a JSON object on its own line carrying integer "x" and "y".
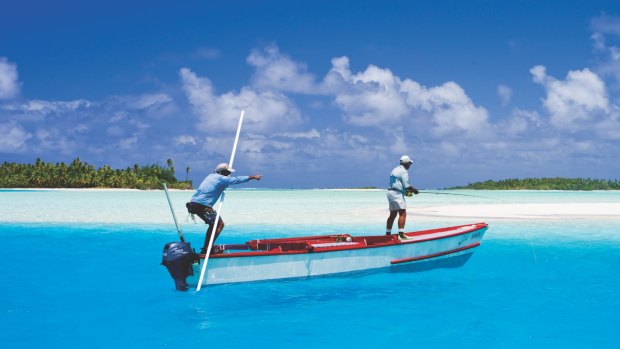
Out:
{"x": 439, "y": 248}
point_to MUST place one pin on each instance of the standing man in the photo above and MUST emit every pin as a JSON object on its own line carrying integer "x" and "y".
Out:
{"x": 207, "y": 195}
{"x": 399, "y": 187}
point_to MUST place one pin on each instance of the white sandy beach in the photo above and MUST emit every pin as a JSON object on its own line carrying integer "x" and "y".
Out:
{"x": 486, "y": 212}
{"x": 307, "y": 207}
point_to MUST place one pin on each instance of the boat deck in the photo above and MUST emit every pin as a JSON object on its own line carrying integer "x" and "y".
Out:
{"x": 334, "y": 242}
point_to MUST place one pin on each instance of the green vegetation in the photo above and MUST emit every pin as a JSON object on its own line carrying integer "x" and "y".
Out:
{"x": 79, "y": 174}
{"x": 545, "y": 184}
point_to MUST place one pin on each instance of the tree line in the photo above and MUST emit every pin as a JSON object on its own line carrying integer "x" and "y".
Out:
{"x": 79, "y": 174}
{"x": 556, "y": 183}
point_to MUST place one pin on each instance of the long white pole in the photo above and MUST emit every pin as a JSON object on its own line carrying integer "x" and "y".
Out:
{"x": 219, "y": 209}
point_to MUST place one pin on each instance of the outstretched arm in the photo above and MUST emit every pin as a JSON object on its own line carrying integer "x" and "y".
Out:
{"x": 242, "y": 179}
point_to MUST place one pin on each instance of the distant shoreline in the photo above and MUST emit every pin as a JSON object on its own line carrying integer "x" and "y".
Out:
{"x": 280, "y": 189}
{"x": 556, "y": 183}
{"x": 90, "y": 189}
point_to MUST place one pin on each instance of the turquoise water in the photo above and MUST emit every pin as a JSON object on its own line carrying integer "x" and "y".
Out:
{"x": 540, "y": 284}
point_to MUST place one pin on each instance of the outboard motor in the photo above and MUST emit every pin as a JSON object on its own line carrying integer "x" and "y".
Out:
{"x": 178, "y": 258}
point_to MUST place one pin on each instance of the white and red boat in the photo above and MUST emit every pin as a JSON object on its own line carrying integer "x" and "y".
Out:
{"x": 301, "y": 257}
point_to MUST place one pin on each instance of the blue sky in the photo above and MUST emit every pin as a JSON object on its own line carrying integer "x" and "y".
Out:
{"x": 334, "y": 91}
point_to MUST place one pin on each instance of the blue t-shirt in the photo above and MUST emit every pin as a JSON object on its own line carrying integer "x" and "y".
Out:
{"x": 213, "y": 186}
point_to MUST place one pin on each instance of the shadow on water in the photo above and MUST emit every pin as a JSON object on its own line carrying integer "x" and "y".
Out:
{"x": 452, "y": 262}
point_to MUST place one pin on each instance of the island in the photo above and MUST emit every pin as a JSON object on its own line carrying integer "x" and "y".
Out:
{"x": 556, "y": 183}
{"x": 79, "y": 174}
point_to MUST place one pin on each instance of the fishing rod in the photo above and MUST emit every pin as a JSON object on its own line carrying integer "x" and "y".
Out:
{"x": 219, "y": 209}
{"x": 473, "y": 196}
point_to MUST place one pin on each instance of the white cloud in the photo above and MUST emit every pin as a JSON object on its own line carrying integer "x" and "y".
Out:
{"x": 505, "y": 94}
{"x": 185, "y": 139}
{"x": 265, "y": 111}
{"x": 255, "y": 150}
{"x": 278, "y": 71}
{"x": 377, "y": 97}
{"x": 54, "y": 140}
{"x": 344, "y": 147}
{"x": 374, "y": 97}
{"x": 369, "y": 98}
{"x": 449, "y": 149}
{"x": 451, "y": 109}
{"x": 598, "y": 40}
{"x": 606, "y": 24}
{"x": 578, "y": 98}
{"x": 115, "y": 131}
{"x": 608, "y": 59}
{"x": 147, "y": 101}
{"x": 297, "y": 135}
{"x": 9, "y": 84}
{"x": 13, "y": 138}
{"x": 157, "y": 105}
{"x": 609, "y": 129}
{"x": 399, "y": 143}
{"x": 49, "y": 107}
{"x": 519, "y": 122}
{"x": 515, "y": 126}
{"x": 539, "y": 73}
{"x": 128, "y": 143}
{"x": 118, "y": 116}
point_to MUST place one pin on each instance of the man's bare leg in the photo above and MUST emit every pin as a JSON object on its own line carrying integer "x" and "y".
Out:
{"x": 402, "y": 219}
{"x": 220, "y": 227}
{"x": 390, "y": 222}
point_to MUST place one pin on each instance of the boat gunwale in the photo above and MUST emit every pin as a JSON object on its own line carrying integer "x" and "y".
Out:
{"x": 396, "y": 242}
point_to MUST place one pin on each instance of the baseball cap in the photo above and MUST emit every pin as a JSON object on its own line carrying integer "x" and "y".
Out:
{"x": 405, "y": 160}
{"x": 223, "y": 166}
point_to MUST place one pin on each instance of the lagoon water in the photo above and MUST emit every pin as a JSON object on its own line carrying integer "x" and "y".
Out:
{"x": 81, "y": 268}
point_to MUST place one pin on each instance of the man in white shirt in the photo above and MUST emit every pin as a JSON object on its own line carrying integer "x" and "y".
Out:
{"x": 399, "y": 187}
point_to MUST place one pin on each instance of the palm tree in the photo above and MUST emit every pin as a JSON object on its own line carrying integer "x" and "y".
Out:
{"x": 187, "y": 173}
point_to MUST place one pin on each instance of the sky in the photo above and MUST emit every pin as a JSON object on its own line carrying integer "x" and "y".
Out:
{"x": 334, "y": 92}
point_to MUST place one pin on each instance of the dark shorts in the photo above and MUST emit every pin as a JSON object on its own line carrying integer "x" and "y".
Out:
{"x": 206, "y": 213}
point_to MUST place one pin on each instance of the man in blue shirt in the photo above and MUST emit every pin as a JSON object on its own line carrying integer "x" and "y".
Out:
{"x": 208, "y": 193}
{"x": 399, "y": 187}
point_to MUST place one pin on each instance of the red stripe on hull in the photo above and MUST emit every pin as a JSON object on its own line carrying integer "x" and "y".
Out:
{"x": 412, "y": 259}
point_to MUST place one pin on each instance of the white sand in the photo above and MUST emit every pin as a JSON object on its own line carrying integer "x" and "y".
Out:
{"x": 486, "y": 212}
{"x": 300, "y": 207}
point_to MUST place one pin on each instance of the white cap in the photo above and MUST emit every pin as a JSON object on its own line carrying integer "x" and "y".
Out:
{"x": 405, "y": 160}
{"x": 223, "y": 166}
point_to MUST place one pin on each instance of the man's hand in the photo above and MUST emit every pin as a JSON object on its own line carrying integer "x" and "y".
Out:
{"x": 412, "y": 190}
{"x": 257, "y": 177}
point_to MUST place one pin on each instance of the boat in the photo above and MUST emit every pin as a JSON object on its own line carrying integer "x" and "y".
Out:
{"x": 309, "y": 256}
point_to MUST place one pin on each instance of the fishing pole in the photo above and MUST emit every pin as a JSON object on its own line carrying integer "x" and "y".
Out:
{"x": 473, "y": 196}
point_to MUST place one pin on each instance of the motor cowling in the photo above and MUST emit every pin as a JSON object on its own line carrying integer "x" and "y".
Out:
{"x": 178, "y": 258}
